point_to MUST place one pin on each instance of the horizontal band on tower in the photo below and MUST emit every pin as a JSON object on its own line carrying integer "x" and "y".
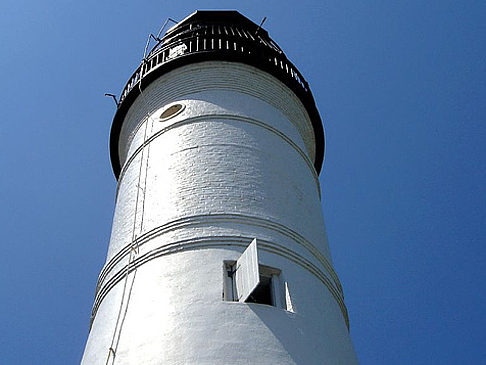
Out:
{"x": 204, "y": 118}
{"x": 205, "y": 219}
{"x": 217, "y": 242}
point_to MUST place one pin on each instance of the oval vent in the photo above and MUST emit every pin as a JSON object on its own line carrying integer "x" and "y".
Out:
{"x": 171, "y": 111}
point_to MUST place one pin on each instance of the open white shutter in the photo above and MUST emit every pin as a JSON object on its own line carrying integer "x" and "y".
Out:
{"x": 247, "y": 275}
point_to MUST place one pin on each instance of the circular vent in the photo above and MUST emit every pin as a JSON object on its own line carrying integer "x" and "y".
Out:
{"x": 171, "y": 111}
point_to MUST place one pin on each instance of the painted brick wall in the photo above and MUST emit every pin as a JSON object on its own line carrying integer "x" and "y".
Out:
{"x": 235, "y": 164}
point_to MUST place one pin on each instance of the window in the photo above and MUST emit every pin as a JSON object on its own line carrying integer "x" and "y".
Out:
{"x": 248, "y": 281}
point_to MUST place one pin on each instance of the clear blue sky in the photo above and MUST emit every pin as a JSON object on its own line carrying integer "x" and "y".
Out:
{"x": 402, "y": 91}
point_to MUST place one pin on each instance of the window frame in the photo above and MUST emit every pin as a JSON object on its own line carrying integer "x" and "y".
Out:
{"x": 230, "y": 293}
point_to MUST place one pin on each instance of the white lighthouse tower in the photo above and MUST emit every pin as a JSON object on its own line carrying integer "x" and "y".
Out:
{"x": 218, "y": 252}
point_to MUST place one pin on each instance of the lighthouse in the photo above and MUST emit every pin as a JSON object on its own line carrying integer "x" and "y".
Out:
{"x": 218, "y": 251}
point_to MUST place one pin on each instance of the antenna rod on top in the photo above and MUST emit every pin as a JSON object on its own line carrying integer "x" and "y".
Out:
{"x": 263, "y": 21}
{"x": 148, "y": 43}
{"x": 156, "y": 38}
{"x": 164, "y": 25}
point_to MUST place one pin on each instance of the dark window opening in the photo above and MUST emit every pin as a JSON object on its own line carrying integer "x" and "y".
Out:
{"x": 245, "y": 280}
{"x": 262, "y": 294}
{"x": 268, "y": 291}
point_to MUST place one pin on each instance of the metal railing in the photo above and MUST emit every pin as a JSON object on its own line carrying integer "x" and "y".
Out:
{"x": 221, "y": 39}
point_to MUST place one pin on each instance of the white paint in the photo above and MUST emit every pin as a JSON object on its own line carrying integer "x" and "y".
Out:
{"x": 235, "y": 164}
{"x": 177, "y": 51}
{"x": 247, "y": 273}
